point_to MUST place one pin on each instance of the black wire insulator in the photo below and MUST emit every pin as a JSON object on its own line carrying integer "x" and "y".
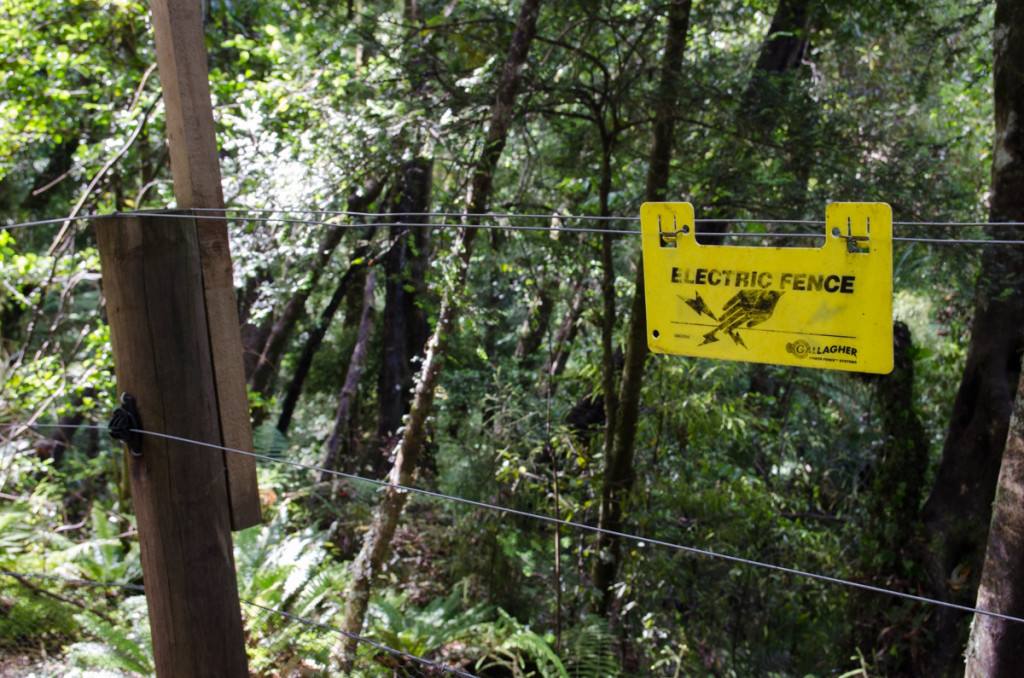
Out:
{"x": 126, "y": 424}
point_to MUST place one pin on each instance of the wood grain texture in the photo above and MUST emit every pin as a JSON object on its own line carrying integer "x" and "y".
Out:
{"x": 153, "y": 286}
{"x": 229, "y": 373}
{"x": 191, "y": 133}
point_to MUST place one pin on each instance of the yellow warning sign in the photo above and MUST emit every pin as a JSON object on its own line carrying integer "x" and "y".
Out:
{"x": 828, "y": 307}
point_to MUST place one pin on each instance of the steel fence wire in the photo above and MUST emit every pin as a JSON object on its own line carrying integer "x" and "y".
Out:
{"x": 644, "y": 540}
{"x": 556, "y": 223}
{"x": 51, "y": 625}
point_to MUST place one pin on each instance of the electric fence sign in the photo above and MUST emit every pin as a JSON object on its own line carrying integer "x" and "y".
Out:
{"x": 828, "y": 307}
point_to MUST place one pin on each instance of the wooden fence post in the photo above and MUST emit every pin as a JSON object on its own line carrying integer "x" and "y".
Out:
{"x": 153, "y": 283}
{"x": 191, "y": 136}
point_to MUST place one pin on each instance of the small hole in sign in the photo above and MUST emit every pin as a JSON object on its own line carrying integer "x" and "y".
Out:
{"x": 656, "y": 334}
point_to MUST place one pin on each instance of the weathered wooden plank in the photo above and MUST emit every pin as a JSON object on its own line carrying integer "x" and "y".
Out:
{"x": 153, "y": 286}
{"x": 181, "y": 60}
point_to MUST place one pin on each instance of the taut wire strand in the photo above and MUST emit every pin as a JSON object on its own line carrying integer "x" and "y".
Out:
{"x": 406, "y": 224}
{"x": 590, "y": 528}
{"x": 222, "y": 214}
{"x": 46, "y": 222}
{"x": 581, "y": 526}
{"x": 600, "y": 231}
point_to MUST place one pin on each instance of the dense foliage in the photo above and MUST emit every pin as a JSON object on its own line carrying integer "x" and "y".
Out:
{"x": 325, "y": 106}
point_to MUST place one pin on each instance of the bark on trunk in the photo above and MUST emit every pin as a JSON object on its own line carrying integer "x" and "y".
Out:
{"x": 781, "y": 53}
{"x": 899, "y": 474}
{"x": 768, "y": 92}
{"x": 985, "y": 454}
{"x": 535, "y": 326}
{"x": 617, "y": 482}
{"x": 355, "y": 371}
{"x": 253, "y": 336}
{"x": 891, "y": 534}
{"x": 958, "y": 510}
{"x": 59, "y": 441}
{"x": 404, "y": 324}
{"x": 269, "y": 358}
{"x": 609, "y": 370}
{"x": 277, "y": 340}
{"x": 996, "y": 644}
{"x": 368, "y": 563}
{"x": 355, "y": 272}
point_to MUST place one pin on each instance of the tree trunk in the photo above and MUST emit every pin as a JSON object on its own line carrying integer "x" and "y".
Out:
{"x": 894, "y": 505}
{"x": 358, "y": 201}
{"x": 617, "y": 482}
{"x": 253, "y": 336}
{"x": 378, "y": 538}
{"x": 609, "y": 372}
{"x": 355, "y": 370}
{"x": 59, "y": 441}
{"x": 890, "y": 538}
{"x": 782, "y": 53}
{"x": 269, "y": 358}
{"x": 996, "y": 644}
{"x": 355, "y": 272}
{"x": 403, "y": 322}
{"x": 981, "y": 439}
{"x": 564, "y": 335}
{"x": 767, "y": 95}
{"x": 535, "y": 326}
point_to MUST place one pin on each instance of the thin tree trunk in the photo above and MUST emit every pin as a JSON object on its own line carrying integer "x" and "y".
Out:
{"x": 400, "y": 320}
{"x": 890, "y": 546}
{"x": 782, "y": 53}
{"x": 276, "y": 342}
{"x": 268, "y": 360}
{"x": 355, "y": 370}
{"x": 996, "y": 645}
{"x": 617, "y": 482}
{"x": 59, "y": 441}
{"x": 983, "y": 456}
{"x": 368, "y": 562}
{"x": 608, "y": 313}
{"x": 535, "y": 325}
{"x": 317, "y": 334}
{"x": 253, "y": 336}
{"x": 358, "y": 201}
{"x": 564, "y": 335}
{"x": 894, "y": 506}
{"x": 766, "y": 97}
